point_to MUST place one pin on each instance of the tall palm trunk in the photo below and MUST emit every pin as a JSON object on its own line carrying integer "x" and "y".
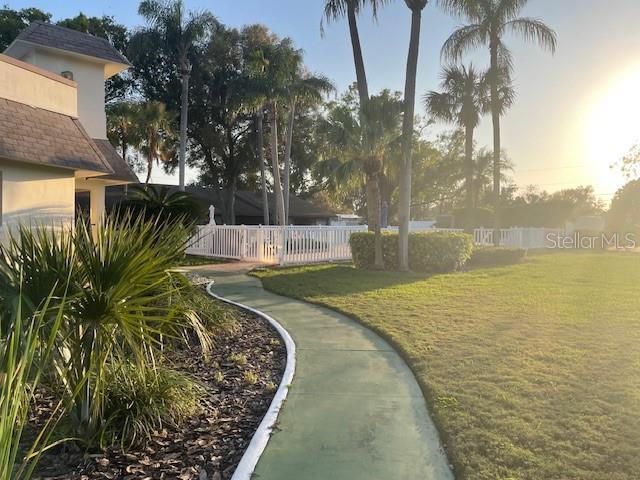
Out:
{"x": 287, "y": 159}
{"x": 495, "y": 117}
{"x": 263, "y": 170}
{"x": 277, "y": 186}
{"x": 358, "y": 60}
{"x": 407, "y": 138}
{"x": 373, "y": 213}
{"x": 184, "y": 111}
{"x": 468, "y": 165}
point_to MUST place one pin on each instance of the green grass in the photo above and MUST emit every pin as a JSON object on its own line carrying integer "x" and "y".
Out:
{"x": 531, "y": 371}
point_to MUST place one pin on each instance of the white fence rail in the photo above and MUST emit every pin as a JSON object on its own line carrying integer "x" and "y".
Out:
{"x": 292, "y": 245}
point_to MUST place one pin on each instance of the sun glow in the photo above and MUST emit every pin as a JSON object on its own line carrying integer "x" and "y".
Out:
{"x": 613, "y": 126}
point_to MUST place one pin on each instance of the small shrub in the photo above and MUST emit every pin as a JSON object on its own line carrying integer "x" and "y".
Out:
{"x": 491, "y": 256}
{"x": 439, "y": 252}
{"x": 250, "y": 378}
{"x": 139, "y": 401}
{"x": 238, "y": 358}
{"x": 271, "y": 387}
{"x": 362, "y": 249}
{"x": 218, "y": 377}
{"x": 430, "y": 252}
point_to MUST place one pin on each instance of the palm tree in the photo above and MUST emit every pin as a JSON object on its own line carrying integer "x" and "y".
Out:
{"x": 305, "y": 89}
{"x": 275, "y": 64}
{"x": 462, "y": 101}
{"x": 181, "y": 31}
{"x": 489, "y": 21}
{"x": 416, "y": 7}
{"x": 164, "y": 204}
{"x": 336, "y": 9}
{"x": 121, "y": 126}
{"x": 358, "y": 157}
{"x": 154, "y": 122}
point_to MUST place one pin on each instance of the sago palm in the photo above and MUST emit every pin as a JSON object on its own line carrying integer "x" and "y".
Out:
{"x": 462, "y": 101}
{"x": 489, "y": 21}
{"x": 181, "y": 31}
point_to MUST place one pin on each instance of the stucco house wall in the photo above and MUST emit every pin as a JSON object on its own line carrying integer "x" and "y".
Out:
{"x": 33, "y": 194}
{"x": 89, "y": 77}
{"x": 34, "y": 86}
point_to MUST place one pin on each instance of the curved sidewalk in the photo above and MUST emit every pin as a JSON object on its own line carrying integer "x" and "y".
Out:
{"x": 354, "y": 410}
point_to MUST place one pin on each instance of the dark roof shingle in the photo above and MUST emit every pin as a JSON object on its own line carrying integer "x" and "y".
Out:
{"x": 54, "y": 36}
{"x": 41, "y": 137}
{"x": 121, "y": 169}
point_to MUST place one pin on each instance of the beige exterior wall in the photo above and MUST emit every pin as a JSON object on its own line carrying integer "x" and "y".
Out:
{"x": 38, "y": 90}
{"x": 33, "y": 194}
{"x": 90, "y": 79}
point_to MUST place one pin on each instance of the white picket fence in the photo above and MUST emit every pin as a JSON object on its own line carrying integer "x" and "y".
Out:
{"x": 293, "y": 245}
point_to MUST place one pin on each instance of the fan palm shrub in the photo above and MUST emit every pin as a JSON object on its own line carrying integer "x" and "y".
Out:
{"x": 118, "y": 303}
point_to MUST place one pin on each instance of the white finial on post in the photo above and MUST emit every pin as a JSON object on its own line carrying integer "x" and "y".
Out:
{"x": 212, "y": 215}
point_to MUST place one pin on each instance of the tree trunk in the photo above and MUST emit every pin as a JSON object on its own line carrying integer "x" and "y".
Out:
{"x": 263, "y": 170}
{"x": 287, "y": 159}
{"x": 277, "y": 186}
{"x": 184, "y": 111}
{"x": 495, "y": 117}
{"x": 358, "y": 60}
{"x": 468, "y": 166}
{"x": 373, "y": 213}
{"x": 407, "y": 139}
{"x": 149, "y": 167}
{"x": 231, "y": 202}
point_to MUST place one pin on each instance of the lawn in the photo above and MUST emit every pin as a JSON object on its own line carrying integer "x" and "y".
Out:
{"x": 531, "y": 371}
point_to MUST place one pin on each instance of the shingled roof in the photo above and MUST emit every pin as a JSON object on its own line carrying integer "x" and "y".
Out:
{"x": 54, "y": 36}
{"x": 122, "y": 171}
{"x": 41, "y": 137}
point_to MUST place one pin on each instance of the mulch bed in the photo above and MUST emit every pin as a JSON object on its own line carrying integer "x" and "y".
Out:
{"x": 210, "y": 445}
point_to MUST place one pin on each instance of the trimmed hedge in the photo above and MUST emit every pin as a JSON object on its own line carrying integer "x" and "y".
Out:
{"x": 492, "y": 256}
{"x": 430, "y": 252}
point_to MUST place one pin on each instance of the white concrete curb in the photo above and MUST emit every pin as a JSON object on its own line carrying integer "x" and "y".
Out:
{"x": 258, "y": 443}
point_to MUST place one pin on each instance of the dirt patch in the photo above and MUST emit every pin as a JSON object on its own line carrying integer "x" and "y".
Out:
{"x": 240, "y": 380}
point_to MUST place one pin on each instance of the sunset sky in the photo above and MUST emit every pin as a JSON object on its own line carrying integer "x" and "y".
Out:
{"x": 576, "y": 113}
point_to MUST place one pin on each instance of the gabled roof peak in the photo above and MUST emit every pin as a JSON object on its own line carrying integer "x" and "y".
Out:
{"x": 62, "y": 38}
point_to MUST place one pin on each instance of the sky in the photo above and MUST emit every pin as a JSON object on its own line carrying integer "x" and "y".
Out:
{"x": 575, "y": 115}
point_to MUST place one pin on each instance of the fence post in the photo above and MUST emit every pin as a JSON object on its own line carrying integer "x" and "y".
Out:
{"x": 243, "y": 249}
{"x": 260, "y": 244}
{"x": 283, "y": 243}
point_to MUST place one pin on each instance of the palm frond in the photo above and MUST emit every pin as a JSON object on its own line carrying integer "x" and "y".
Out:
{"x": 534, "y": 30}
{"x": 464, "y": 39}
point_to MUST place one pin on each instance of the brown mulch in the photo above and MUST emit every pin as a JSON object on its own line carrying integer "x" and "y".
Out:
{"x": 210, "y": 445}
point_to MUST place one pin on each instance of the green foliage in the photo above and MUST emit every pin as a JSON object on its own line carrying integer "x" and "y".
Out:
{"x": 119, "y": 290}
{"x": 435, "y": 252}
{"x": 624, "y": 214}
{"x": 491, "y": 256}
{"x": 25, "y": 348}
{"x": 140, "y": 401}
{"x": 439, "y": 252}
{"x": 163, "y": 206}
{"x": 12, "y": 22}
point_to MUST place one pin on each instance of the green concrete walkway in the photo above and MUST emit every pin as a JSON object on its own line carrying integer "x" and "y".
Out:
{"x": 354, "y": 410}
